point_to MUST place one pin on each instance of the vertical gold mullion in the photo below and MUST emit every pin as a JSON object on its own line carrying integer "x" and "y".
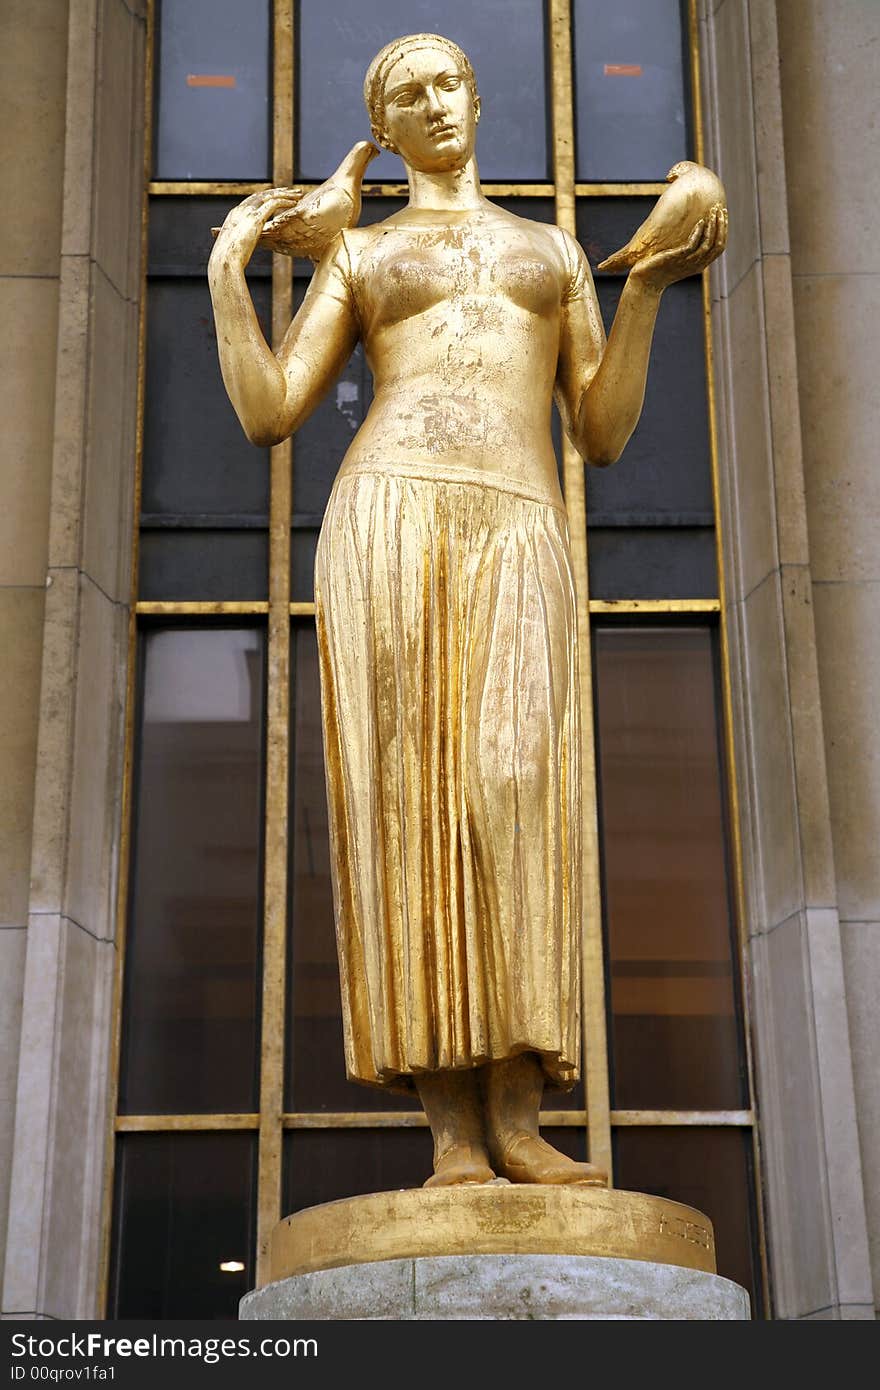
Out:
{"x": 592, "y": 965}
{"x": 727, "y": 695}
{"x": 278, "y": 697}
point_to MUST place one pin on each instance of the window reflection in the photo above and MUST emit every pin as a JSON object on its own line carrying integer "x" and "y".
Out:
{"x": 323, "y": 1165}
{"x": 184, "y": 1207}
{"x": 630, "y": 89}
{"x": 675, "y": 1037}
{"x": 504, "y": 40}
{"x": 191, "y": 958}
{"x": 213, "y": 109}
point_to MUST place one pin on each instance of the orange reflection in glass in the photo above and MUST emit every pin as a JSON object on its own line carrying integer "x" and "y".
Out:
{"x": 675, "y": 1029}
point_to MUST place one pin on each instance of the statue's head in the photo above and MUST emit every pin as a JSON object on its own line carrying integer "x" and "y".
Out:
{"x": 421, "y": 95}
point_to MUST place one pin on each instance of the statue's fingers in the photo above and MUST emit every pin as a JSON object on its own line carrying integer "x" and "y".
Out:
{"x": 723, "y": 226}
{"x": 284, "y": 197}
{"x": 707, "y": 241}
{"x": 696, "y": 235}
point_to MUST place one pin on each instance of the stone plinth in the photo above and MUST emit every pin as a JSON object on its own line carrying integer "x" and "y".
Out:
{"x": 501, "y": 1287}
{"x": 496, "y": 1250}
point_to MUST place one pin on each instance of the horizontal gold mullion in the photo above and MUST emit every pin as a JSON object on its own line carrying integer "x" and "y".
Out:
{"x": 356, "y": 1119}
{"x": 178, "y": 188}
{"x": 655, "y": 605}
{"x": 130, "y": 1124}
{"x": 307, "y": 609}
{"x": 171, "y": 188}
{"x": 196, "y": 608}
{"x": 415, "y": 1119}
{"x": 400, "y": 1119}
{"x": 679, "y": 1118}
{"x": 620, "y": 190}
{"x": 166, "y": 188}
{"x": 491, "y": 190}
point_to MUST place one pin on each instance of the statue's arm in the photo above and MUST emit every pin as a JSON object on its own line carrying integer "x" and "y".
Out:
{"x": 601, "y": 386}
{"x": 273, "y": 394}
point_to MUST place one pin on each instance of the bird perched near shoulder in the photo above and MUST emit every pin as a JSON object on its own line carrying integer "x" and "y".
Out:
{"x": 693, "y": 193}
{"x": 308, "y": 228}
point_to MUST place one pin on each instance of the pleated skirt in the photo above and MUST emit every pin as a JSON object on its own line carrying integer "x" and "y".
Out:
{"x": 448, "y": 654}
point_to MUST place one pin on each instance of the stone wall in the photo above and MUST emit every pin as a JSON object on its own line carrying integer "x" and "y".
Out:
{"x": 794, "y": 949}
{"x": 75, "y": 162}
{"x": 33, "y": 63}
{"x": 828, "y": 63}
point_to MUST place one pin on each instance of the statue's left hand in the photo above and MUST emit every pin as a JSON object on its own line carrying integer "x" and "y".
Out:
{"x": 244, "y": 226}
{"x": 706, "y": 242}
{"x": 308, "y": 228}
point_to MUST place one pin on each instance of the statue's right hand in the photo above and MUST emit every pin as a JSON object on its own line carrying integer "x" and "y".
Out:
{"x": 238, "y": 237}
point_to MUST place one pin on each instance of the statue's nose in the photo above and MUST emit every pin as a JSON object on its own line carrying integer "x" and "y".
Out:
{"x": 436, "y": 105}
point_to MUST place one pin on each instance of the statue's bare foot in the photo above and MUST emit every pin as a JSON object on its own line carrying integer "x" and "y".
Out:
{"x": 462, "y": 1163}
{"x": 526, "y": 1158}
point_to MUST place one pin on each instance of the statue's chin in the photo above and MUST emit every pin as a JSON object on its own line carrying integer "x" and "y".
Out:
{"x": 450, "y": 163}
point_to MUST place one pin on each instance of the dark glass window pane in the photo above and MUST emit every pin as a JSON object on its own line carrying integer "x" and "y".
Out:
{"x": 192, "y": 952}
{"x": 630, "y": 97}
{"x": 322, "y": 1165}
{"x": 184, "y": 1205}
{"x": 197, "y": 460}
{"x": 568, "y": 1139}
{"x": 376, "y": 209}
{"x": 710, "y": 1169}
{"x": 214, "y": 114}
{"x": 664, "y": 477}
{"x": 643, "y": 562}
{"x": 302, "y": 564}
{"x": 675, "y": 1035}
{"x": 201, "y": 566}
{"x": 564, "y": 1100}
{"x": 316, "y": 1071}
{"x": 504, "y": 40}
{"x": 534, "y": 209}
{"x": 604, "y": 225}
{"x": 325, "y": 1165}
{"x": 180, "y": 239}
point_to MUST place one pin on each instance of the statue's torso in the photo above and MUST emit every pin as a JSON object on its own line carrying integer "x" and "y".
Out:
{"x": 461, "y": 328}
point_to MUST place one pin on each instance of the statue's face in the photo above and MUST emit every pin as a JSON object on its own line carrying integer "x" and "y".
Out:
{"x": 430, "y": 112}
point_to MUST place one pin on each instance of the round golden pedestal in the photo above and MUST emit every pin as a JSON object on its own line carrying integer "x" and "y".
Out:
{"x": 492, "y": 1219}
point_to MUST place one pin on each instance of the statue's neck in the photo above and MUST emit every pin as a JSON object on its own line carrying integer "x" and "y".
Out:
{"x": 455, "y": 191}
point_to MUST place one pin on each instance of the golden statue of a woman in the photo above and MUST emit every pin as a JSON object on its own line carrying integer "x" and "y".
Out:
{"x": 446, "y": 609}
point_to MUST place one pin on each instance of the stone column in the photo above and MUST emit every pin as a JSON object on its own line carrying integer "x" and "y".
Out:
{"x": 828, "y": 58}
{"x": 61, "y": 1102}
{"x": 33, "y": 61}
{"x": 817, "y": 1234}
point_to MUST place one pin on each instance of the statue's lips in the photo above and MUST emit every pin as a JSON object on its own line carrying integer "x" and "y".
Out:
{"x": 443, "y": 131}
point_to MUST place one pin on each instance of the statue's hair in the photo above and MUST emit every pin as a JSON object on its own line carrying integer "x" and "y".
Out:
{"x": 377, "y": 72}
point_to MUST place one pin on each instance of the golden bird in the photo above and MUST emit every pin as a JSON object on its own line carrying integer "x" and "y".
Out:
{"x": 694, "y": 192}
{"x": 307, "y": 228}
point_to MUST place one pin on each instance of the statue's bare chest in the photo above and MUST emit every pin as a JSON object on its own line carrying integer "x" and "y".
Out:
{"x": 404, "y": 273}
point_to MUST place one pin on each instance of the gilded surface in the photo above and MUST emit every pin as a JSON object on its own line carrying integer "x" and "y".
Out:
{"x": 444, "y": 596}
{"x": 497, "y": 1219}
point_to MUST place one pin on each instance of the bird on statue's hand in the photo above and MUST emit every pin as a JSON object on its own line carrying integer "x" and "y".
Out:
{"x": 693, "y": 194}
{"x": 308, "y": 228}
